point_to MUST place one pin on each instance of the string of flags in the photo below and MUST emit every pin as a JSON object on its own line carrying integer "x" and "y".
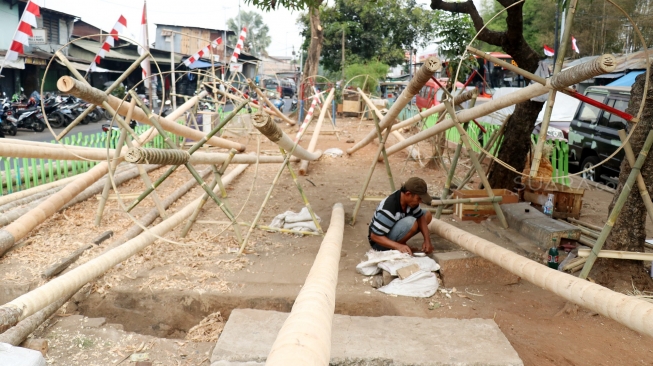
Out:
{"x": 24, "y": 30}
{"x": 239, "y": 45}
{"x": 119, "y": 28}
{"x": 203, "y": 52}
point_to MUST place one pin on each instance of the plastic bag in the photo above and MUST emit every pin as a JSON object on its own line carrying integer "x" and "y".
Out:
{"x": 333, "y": 152}
{"x": 370, "y": 266}
{"x": 419, "y": 284}
{"x": 425, "y": 264}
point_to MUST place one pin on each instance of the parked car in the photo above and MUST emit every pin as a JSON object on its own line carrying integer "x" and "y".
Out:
{"x": 431, "y": 95}
{"x": 593, "y": 134}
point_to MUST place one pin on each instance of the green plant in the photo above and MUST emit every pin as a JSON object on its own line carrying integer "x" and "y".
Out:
{"x": 370, "y": 74}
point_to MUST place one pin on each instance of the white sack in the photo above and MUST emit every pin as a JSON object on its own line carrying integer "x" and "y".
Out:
{"x": 419, "y": 284}
{"x": 425, "y": 264}
{"x": 370, "y": 268}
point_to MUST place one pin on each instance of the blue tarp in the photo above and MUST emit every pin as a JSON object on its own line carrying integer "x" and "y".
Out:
{"x": 626, "y": 80}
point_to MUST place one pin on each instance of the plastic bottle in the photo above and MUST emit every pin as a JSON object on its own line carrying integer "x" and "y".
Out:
{"x": 552, "y": 259}
{"x": 548, "y": 206}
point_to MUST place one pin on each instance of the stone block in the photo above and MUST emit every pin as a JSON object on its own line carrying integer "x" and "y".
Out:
{"x": 372, "y": 341}
{"x": 536, "y": 225}
{"x": 464, "y": 269}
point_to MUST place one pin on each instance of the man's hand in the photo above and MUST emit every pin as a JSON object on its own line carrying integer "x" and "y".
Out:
{"x": 427, "y": 247}
{"x": 405, "y": 249}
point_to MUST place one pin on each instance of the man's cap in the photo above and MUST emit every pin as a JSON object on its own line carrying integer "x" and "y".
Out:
{"x": 417, "y": 186}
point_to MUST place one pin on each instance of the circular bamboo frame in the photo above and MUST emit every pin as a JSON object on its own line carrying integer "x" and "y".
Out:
{"x": 639, "y": 113}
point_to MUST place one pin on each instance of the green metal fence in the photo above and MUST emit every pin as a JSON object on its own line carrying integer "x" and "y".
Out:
{"x": 559, "y": 156}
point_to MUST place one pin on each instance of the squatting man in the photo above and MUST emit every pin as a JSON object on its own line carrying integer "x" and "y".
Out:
{"x": 399, "y": 217}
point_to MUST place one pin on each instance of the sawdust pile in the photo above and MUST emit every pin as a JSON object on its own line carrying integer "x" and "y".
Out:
{"x": 208, "y": 330}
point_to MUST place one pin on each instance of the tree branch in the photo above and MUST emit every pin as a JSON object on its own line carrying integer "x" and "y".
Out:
{"x": 488, "y": 36}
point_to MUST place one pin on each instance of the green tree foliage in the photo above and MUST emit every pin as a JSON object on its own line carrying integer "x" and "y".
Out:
{"x": 374, "y": 30}
{"x": 267, "y": 5}
{"x": 454, "y": 32}
{"x": 369, "y": 74}
{"x": 257, "y": 40}
{"x": 598, "y": 26}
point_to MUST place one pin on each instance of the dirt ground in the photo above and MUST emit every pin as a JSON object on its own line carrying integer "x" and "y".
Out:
{"x": 154, "y": 298}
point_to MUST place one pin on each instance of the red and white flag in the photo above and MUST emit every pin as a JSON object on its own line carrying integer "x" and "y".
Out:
{"x": 119, "y": 28}
{"x": 574, "y": 45}
{"x": 309, "y": 117}
{"x": 145, "y": 64}
{"x": 239, "y": 45}
{"x": 24, "y": 30}
{"x": 548, "y": 51}
{"x": 203, "y": 52}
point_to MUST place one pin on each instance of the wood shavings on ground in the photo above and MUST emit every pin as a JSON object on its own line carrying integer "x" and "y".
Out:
{"x": 208, "y": 330}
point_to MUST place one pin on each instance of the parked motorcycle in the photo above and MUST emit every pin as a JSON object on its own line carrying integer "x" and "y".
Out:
{"x": 293, "y": 104}
{"x": 29, "y": 118}
{"x": 6, "y": 126}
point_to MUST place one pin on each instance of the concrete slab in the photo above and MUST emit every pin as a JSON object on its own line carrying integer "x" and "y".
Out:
{"x": 373, "y": 341}
{"x": 461, "y": 268}
{"x": 536, "y": 225}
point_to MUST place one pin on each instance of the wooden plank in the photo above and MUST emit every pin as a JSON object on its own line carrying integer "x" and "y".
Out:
{"x": 618, "y": 254}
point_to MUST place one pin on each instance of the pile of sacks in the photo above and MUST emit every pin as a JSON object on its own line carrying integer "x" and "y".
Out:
{"x": 421, "y": 283}
{"x": 301, "y": 221}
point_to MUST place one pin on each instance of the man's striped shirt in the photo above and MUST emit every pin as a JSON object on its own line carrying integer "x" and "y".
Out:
{"x": 388, "y": 213}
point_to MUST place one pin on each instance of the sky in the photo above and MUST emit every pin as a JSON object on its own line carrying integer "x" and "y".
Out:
{"x": 211, "y": 14}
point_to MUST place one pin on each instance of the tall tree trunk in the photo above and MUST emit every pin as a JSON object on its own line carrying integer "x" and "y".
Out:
{"x": 517, "y": 140}
{"x": 629, "y": 231}
{"x": 315, "y": 47}
{"x": 516, "y": 145}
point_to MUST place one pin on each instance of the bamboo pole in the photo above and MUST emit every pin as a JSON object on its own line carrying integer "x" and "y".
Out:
{"x": 386, "y": 162}
{"x": 428, "y": 69}
{"x": 618, "y": 254}
{"x": 267, "y": 127}
{"x": 565, "y": 78}
{"x": 193, "y": 149}
{"x": 450, "y": 175}
{"x": 305, "y": 337}
{"x": 632, "y": 312}
{"x": 69, "y": 283}
{"x": 99, "y": 154}
{"x": 68, "y": 85}
{"x": 587, "y": 225}
{"x": 537, "y": 156}
{"x": 147, "y": 219}
{"x": 189, "y": 167}
{"x": 29, "y": 199}
{"x": 18, "y": 229}
{"x": 303, "y": 166}
{"x": 265, "y": 99}
{"x": 369, "y": 175}
{"x": 301, "y": 192}
{"x": 34, "y": 190}
{"x": 619, "y": 204}
{"x": 113, "y": 85}
{"x": 641, "y": 185}
{"x": 329, "y": 116}
{"x": 16, "y": 335}
{"x": 116, "y": 155}
{"x": 465, "y": 200}
{"x": 494, "y": 138}
{"x": 205, "y": 197}
{"x": 413, "y": 152}
{"x": 476, "y": 163}
{"x": 457, "y": 100}
{"x": 295, "y": 145}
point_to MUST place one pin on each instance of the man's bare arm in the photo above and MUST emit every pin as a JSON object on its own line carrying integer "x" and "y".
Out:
{"x": 386, "y": 242}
